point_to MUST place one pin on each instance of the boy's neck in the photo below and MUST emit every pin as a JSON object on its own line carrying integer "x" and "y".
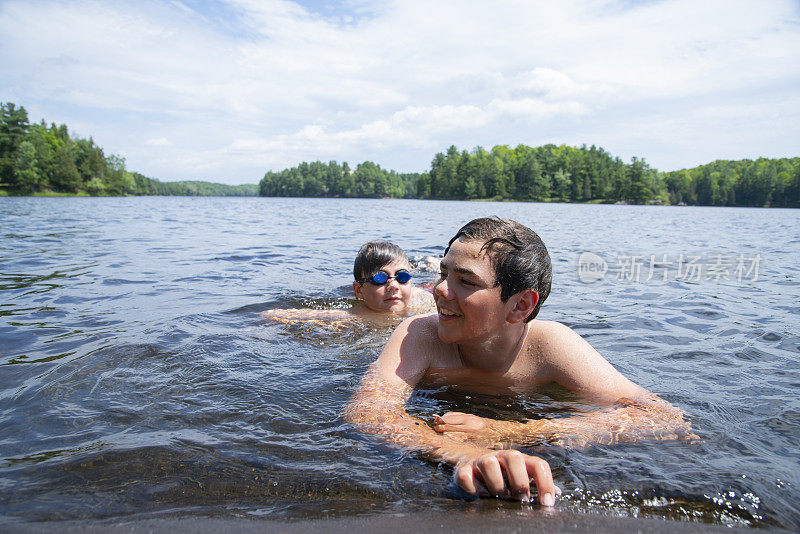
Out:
{"x": 497, "y": 353}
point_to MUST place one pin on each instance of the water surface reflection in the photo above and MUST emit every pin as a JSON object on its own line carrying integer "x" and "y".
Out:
{"x": 137, "y": 378}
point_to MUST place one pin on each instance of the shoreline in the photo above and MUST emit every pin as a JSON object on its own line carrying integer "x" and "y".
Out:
{"x": 401, "y": 523}
{"x": 594, "y": 202}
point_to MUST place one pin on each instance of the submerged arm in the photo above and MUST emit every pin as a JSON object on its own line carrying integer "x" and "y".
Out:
{"x": 628, "y": 420}
{"x": 632, "y": 413}
{"x": 378, "y": 407}
{"x": 334, "y": 318}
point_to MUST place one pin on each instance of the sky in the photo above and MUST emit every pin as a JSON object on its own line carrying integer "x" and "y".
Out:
{"x": 227, "y": 90}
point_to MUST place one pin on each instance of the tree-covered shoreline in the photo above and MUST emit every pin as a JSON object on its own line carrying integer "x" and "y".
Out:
{"x": 549, "y": 173}
{"x": 37, "y": 159}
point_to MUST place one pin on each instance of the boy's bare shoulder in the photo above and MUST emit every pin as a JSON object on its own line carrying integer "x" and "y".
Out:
{"x": 553, "y": 341}
{"x": 550, "y": 331}
{"x": 420, "y": 328}
{"x": 411, "y": 349}
{"x": 418, "y": 336}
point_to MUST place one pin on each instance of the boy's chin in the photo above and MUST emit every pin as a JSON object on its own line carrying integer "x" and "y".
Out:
{"x": 397, "y": 307}
{"x": 446, "y": 335}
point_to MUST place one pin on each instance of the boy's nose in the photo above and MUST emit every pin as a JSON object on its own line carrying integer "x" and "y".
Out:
{"x": 442, "y": 288}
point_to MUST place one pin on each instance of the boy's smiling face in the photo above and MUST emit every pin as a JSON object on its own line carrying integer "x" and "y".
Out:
{"x": 389, "y": 297}
{"x": 467, "y": 297}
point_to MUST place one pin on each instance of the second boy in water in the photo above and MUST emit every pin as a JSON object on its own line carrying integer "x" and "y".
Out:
{"x": 382, "y": 285}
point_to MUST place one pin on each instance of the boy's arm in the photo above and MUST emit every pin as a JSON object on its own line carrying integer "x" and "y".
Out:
{"x": 326, "y": 318}
{"x": 633, "y": 413}
{"x": 378, "y": 406}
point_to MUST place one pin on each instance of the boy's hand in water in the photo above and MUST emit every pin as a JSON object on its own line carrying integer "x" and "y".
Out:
{"x": 502, "y": 473}
{"x": 464, "y": 422}
{"x": 628, "y": 420}
{"x": 474, "y": 427}
{"x": 493, "y": 433}
{"x": 507, "y": 474}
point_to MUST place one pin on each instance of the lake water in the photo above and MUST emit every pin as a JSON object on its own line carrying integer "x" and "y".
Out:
{"x": 137, "y": 380}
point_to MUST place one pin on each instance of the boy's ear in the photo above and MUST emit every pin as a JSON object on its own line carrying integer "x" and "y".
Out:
{"x": 357, "y": 290}
{"x": 525, "y": 303}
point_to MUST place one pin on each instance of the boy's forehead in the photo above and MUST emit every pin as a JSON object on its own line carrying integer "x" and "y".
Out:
{"x": 399, "y": 263}
{"x": 467, "y": 255}
{"x": 470, "y": 248}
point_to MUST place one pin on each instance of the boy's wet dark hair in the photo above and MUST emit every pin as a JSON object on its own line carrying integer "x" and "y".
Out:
{"x": 373, "y": 255}
{"x": 518, "y": 255}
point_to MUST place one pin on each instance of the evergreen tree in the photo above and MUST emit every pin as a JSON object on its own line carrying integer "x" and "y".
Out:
{"x": 639, "y": 182}
{"x": 26, "y": 172}
{"x": 13, "y": 129}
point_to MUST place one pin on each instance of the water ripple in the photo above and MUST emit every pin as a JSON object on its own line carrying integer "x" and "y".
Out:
{"x": 137, "y": 377}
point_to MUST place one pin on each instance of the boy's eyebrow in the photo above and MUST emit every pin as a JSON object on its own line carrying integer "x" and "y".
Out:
{"x": 464, "y": 270}
{"x": 459, "y": 270}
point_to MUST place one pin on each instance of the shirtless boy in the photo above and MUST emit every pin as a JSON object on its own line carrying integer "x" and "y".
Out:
{"x": 495, "y": 275}
{"x": 382, "y": 285}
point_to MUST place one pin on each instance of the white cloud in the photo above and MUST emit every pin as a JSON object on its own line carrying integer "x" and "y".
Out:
{"x": 414, "y": 126}
{"x": 534, "y": 107}
{"x": 553, "y": 84}
{"x": 161, "y": 141}
{"x": 229, "y": 88}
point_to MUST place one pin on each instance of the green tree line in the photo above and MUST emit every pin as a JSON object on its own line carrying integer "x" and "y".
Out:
{"x": 550, "y": 173}
{"x": 547, "y": 173}
{"x": 318, "y": 179}
{"x": 763, "y": 182}
{"x": 191, "y": 188}
{"x": 37, "y": 158}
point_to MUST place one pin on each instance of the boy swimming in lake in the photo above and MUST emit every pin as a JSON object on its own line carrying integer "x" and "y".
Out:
{"x": 382, "y": 285}
{"x": 381, "y": 273}
{"x": 494, "y": 277}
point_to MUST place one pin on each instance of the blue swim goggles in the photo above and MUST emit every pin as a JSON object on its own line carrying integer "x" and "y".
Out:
{"x": 380, "y": 278}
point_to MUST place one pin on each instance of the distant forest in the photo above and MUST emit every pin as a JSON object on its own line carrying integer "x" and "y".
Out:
{"x": 36, "y": 158}
{"x": 549, "y": 174}
{"x": 40, "y": 159}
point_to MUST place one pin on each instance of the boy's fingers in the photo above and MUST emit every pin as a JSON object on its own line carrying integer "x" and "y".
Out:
{"x": 452, "y": 417}
{"x": 517, "y": 474}
{"x": 467, "y": 481}
{"x": 491, "y": 473}
{"x": 539, "y": 471}
{"x": 458, "y": 422}
{"x": 451, "y": 421}
{"x": 439, "y": 425}
{"x": 508, "y": 474}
